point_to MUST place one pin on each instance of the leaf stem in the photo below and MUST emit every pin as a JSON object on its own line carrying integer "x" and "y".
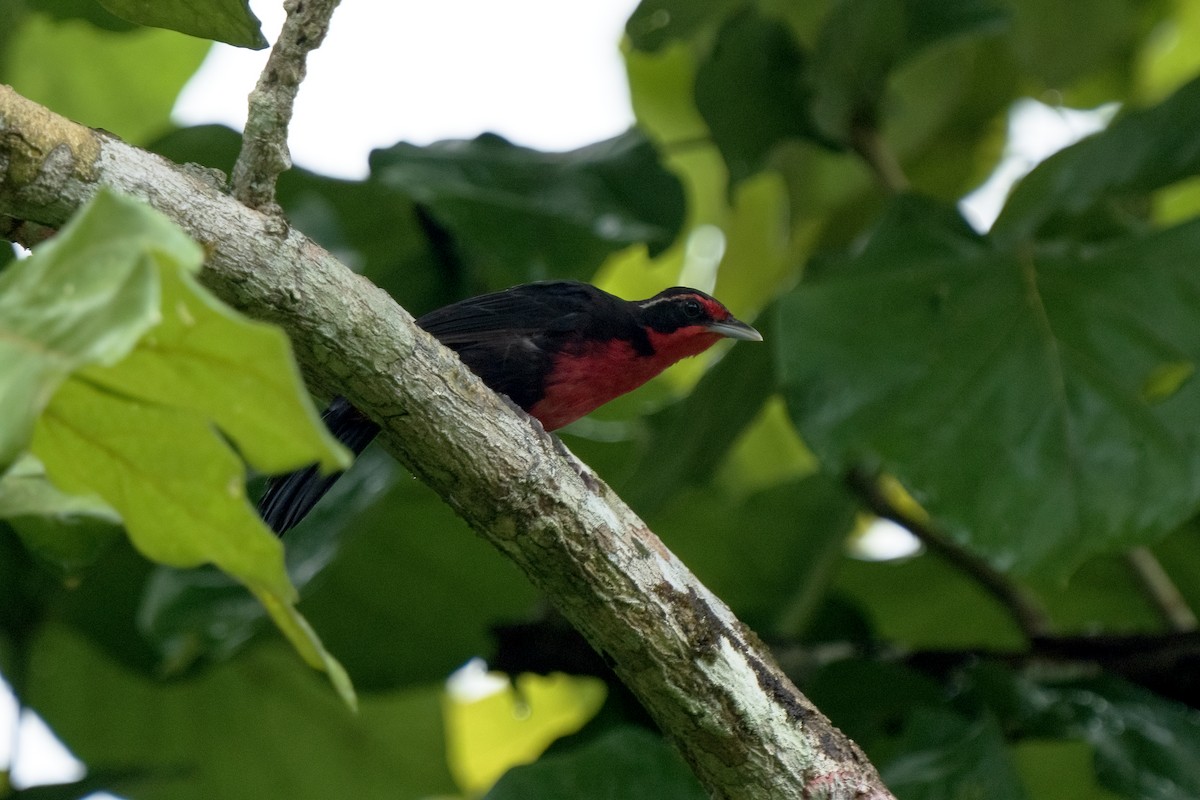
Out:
{"x": 1021, "y": 604}
{"x": 1161, "y": 590}
{"x": 264, "y": 152}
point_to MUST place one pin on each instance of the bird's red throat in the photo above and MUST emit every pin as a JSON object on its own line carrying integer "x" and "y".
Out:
{"x": 583, "y": 381}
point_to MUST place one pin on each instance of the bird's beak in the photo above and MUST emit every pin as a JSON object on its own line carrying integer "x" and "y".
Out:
{"x": 735, "y": 329}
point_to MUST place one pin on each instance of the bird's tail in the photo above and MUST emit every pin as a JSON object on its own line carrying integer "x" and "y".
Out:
{"x": 289, "y": 498}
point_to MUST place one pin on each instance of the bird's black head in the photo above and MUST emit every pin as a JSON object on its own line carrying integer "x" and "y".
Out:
{"x": 680, "y": 309}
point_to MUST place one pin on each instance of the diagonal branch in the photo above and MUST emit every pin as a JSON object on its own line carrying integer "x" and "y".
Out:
{"x": 704, "y": 677}
{"x": 1161, "y": 590}
{"x": 264, "y": 144}
{"x": 1025, "y": 609}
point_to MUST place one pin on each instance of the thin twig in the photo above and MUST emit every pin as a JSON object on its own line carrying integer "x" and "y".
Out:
{"x": 1161, "y": 590}
{"x": 1024, "y": 608}
{"x": 264, "y": 145}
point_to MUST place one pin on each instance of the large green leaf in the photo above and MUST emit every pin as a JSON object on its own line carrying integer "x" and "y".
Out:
{"x": 1037, "y": 400}
{"x": 140, "y": 436}
{"x": 256, "y": 727}
{"x": 947, "y": 757}
{"x": 862, "y": 42}
{"x": 1083, "y": 58}
{"x": 424, "y": 591}
{"x": 179, "y": 511}
{"x": 66, "y": 530}
{"x": 771, "y": 556}
{"x": 206, "y": 358}
{"x": 921, "y": 603}
{"x": 755, "y": 71}
{"x": 85, "y": 296}
{"x": 1059, "y": 770}
{"x": 516, "y": 210}
{"x": 124, "y": 82}
{"x": 1145, "y": 746}
{"x": 627, "y": 762}
{"x": 382, "y": 545}
{"x": 229, "y": 21}
{"x": 1143, "y": 151}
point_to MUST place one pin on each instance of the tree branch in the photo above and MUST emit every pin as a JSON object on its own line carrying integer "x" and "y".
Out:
{"x": 1161, "y": 590}
{"x": 1025, "y": 609}
{"x": 264, "y": 144}
{"x": 704, "y": 677}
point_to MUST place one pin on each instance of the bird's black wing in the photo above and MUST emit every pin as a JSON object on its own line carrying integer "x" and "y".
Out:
{"x": 507, "y": 338}
{"x": 289, "y": 498}
{"x": 549, "y": 307}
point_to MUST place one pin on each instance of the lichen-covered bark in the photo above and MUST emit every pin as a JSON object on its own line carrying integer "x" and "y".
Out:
{"x": 705, "y": 678}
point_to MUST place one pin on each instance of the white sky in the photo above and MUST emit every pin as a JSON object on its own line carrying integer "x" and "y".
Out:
{"x": 543, "y": 73}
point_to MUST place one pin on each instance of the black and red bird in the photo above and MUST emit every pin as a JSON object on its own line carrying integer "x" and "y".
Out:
{"x": 558, "y": 349}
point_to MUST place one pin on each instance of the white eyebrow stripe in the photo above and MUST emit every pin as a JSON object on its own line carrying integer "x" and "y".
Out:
{"x": 669, "y": 298}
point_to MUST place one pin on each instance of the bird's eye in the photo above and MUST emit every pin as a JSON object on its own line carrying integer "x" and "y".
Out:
{"x": 692, "y": 308}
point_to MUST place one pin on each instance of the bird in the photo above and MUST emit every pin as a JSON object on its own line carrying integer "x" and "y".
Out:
{"x": 558, "y": 349}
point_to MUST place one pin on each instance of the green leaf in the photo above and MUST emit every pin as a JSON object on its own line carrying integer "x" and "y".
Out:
{"x": 425, "y": 590}
{"x": 755, "y": 71}
{"x": 862, "y": 42}
{"x": 627, "y": 762}
{"x": 1145, "y": 745}
{"x": 88, "y": 10}
{"x": 57, "y": 64}
{"x": 779, "y": 564}
{"x": 379, "y": 543}
{"x": 253, "y": 728}
{"x": 25, "y": 491}
{"x": 66, "y": 530}
{"x": 138, "y": 434}
{"x": 656, "y": 23}
{"x": 486, "y": 736}
{"x": 229, "y": 21}
{"x": 519, "y": 212}
{"x": 1086, "y": 58}
{"x": 871, "y": 700}
{"x": 207, "y": 358}
{"x": 947, "y": 757}
{"x": 84, "y": 297}
{"x": 98, "y": 780}
{"x": 1061, "y": 770}
{"x": 179, "y": 511}
{"x": 1004, "y": 387}
{"x": 922, "y": 603}
{"x": 203, "y": 614}
{"x": 1142, "y": 151}
{"x": 829, "y": 94}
